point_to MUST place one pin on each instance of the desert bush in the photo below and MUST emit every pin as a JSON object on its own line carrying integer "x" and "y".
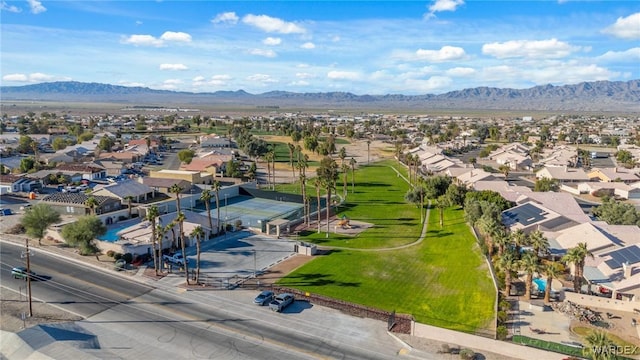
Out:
{"x": 501, "y": 332}
{"x": 110, "y": 253}
{"x": 467, "y": 354}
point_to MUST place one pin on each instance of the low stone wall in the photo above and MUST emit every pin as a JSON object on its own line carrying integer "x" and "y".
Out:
{"x": 402, "y": 322}
{"x": 601, "y": 302}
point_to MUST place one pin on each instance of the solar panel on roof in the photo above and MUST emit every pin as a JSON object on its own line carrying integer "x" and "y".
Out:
{"x": 630, "y": 255}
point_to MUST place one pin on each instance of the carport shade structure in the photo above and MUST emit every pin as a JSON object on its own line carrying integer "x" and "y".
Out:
{"x": 278, "y": 223}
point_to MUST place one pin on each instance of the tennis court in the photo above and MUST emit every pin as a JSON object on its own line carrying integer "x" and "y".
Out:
{"x": 255, "y": 212}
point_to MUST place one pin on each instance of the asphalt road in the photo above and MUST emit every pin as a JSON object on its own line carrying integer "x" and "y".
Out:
{"x": 131, "y": 319}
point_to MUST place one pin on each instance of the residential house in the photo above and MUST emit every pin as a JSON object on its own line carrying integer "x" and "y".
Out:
{"x": 112, "y": 168}
{"x": 531, "y": 216}
{"x": 163, "y": 185}
{"x": 75, "y": 203}
{"x": 563, "y": 174}
{"x": 194, "y": 177}
{"x": 11, "y": 163}
{"x": 9, "y": 184}
{"x": 123, "y": 190}
{"x": 506, "y": 190}
{"x": 618, "y": 189}
{"x": 214, "y": 141}
{"x": 86, "y": 171}
{"x": 559, "y": 156}
{"x": 211, "y": 164}
{"x": 127, "y": 157}
{"x": 58, "y": 157}
{"x": 616, "y": 174}
{"x": 473, "y": 175}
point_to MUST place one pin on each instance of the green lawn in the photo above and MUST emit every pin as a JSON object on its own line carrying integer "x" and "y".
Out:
{"x": 442, "y": 281}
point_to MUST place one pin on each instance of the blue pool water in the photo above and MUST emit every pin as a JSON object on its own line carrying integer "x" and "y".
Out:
{"x": 112, "y": 230}
{"x": 540, "y": 283}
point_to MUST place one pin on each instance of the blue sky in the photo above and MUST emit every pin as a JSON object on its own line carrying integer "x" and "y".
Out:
{"x": 363, "y": 47}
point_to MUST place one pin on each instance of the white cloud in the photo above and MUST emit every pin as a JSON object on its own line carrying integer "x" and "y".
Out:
{"x": 304, "y": 76}
{"x": 622, "y": 56}
{"x": 261, "y": 78}
{"x": 130, "y": 83}
{"x": 343, "y": 75}
{"x": 460, "y": 71}
{"x": 443, "y": 5}
{"x": 551, "y": 48}
{"x": 198, "y": 79}
{"x": 272, "y": 25}
{"x": 10, "y": 8}
{"x": 176, "y": 36}
{"x": 138, "y": 22}
{"x": 625, "y": 28}
{"x": 36, "y": 7}
{"x": 173, "y": 67}
{"x": 446, "y": 53}
{"x": 143, "y": 40}
{"x": 299, "y": 83}
{"x": 16, "y": 77}
{"x": 432, "y": 84}
{"x": 173, "y": 81}
{"x": 272, "y": 41}
{"x": 308, "y": 45}
{"x": 226, "y": 17}
{"x": 215, "y": 80}
{"x": 32, "y": 78}
{"x": 263, "y": 52}
{"x": 149, "y": 40}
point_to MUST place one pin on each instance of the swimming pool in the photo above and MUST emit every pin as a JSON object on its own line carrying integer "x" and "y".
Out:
{"x": 112, "y": 231}
{"x": 541, "y": 284}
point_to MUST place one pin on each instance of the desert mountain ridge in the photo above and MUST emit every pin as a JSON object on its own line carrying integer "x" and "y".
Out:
{"x": 610, "y": 96}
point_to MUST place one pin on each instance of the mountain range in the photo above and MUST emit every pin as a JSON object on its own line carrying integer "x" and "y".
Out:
{"x": 609, "y": 96}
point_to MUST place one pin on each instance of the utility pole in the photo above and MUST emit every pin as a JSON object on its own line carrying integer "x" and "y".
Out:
{"x": 27, "y": 254}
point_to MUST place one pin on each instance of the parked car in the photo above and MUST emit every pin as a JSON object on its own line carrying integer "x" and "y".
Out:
{"x": 263, "y": 298}
{"x": 175, "y": 259}
{"x": 20, "y": 272}
{"x": 281, "y": 302}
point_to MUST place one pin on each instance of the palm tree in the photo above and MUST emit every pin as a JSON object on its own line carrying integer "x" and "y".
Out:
{"x": 501, "y": 240}
{"x": 529, "y": 264}
{"x": 441, "y": 203}
{"x": 160, "y": 233}
{"x": 368, "y": 148}
{"x": 152, "y": 215}
{"x": 489, "y": 227}
{"x": 91, "y": 203}
{"x": 539, "y": 243}
{"x": 180, "y": 220}
{"x": 552, "y": 270}
{"x": 176, "y": 189}
{"x": 352, "y": 162}
{"x": 598, "y": 346}
{"x": 317, "y": 183}
{"x": 328, "y": 174}
{"x": 129, "y": 199}
{"x": 267, "y": 158}
{"x": 520, "y": 239}
{"x": 216, "y": 191}
{"x": 205, "y": 197}
{"x": 577, "y": 257}
{"x": 345, "y": 172}
{"x": 508, "y": 263}
{"x": 292, "y": 148}
{"x": 342, "y": 154}
{"x": 198, "y": 233}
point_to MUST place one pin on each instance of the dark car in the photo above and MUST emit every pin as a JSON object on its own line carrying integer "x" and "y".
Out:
{"x": 263, "y": 298}
{"x": 20, "y": 272}
{"x": 281, "y": 302}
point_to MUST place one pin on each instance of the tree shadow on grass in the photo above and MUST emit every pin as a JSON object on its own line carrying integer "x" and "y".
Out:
{"x": 316, "y": 279}
{"x": 439, "y": 233}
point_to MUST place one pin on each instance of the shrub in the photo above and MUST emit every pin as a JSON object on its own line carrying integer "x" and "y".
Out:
{"x": 128, "y": 257}
{"x": 502, "y": 317}
{"x": 117, "y": 256}
{"x": 16, "y": 229}
{"x": 110, "y": 253}
{"x": 501, "y": 332}
{"x": 445, "y": 349}
{"x": 467, "y": 354}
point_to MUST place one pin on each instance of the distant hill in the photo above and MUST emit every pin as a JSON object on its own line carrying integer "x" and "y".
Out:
{"x": 616, "y": 96}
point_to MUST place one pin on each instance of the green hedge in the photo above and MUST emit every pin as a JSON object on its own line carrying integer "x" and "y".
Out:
{"x": 547, "y": 345}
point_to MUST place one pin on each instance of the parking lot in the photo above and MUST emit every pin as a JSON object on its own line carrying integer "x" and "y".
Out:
{"x": 237, "y": 257}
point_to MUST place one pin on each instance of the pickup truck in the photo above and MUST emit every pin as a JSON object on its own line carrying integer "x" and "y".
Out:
{"x": 175, "y": 259}
{"x": 281, "y": 301}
